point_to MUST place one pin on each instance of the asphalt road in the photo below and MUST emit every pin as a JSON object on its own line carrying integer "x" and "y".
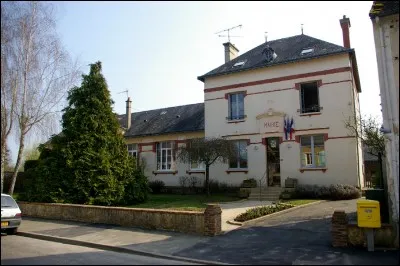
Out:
{"x": 18, "y": 250}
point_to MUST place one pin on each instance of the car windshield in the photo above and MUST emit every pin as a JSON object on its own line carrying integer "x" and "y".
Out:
{"x": 8, "y": 202}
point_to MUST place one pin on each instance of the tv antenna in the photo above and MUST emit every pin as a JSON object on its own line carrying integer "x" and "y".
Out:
{"x": 126, "y": 91}
{"x": 228, "y": 30}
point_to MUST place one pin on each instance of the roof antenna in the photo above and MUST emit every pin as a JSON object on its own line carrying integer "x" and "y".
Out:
{"x": 228, "y": 30}
{"x": 266, "y": 36}
{"x": 301, "y": 29}
{"x": 123, "y": 92}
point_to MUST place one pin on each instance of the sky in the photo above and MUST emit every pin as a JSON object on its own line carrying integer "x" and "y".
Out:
{"x": 156, "y": 50}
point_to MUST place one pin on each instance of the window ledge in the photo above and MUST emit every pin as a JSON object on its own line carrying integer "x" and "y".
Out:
{"x": 310, "y": 114}
{"x": 237, "y": 171}
{"x": 194, "y": 171}
{"x": 313, "y": 169}
{"x": 166, "y": 172}
{"x": 235, "y": 120}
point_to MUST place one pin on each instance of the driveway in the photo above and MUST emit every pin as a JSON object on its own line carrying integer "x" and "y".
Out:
{"x": 297, "y": 237}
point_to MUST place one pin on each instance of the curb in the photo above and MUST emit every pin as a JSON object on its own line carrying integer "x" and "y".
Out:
{"x": 115, "y": 249}
{"x": 273, "y": 214}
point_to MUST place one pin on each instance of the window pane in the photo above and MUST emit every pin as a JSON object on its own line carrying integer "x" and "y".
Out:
{"x": 233, "y": 163}
{"x": 194, "y": 165}
{"x": 233, "y": 103}
{"x": 305, "y": 140}
{"x": 319, "y": 140}
{"x": 241, "y": 105}
{"x": 319, "y": 156}
{"x": 168, "y": 144}
{"x": 243, "y": 154}
{"x": 306, "y": 156}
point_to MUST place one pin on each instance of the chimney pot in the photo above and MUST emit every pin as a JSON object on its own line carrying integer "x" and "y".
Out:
{"x": 345, "y": 24}
{"x": 230, "y": 51}
{"x": 128, "y": 113}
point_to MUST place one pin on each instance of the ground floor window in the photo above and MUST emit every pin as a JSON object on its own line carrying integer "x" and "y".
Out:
{"x": 312, "y": 151}
{"x": 164, "y": 155}
{"x": 240, "y": 159}
{"x": 132, "y": 150}
{"x": 197, "y": 166}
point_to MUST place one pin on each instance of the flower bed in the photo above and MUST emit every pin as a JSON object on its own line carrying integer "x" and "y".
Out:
{"x": 261, "y": 211}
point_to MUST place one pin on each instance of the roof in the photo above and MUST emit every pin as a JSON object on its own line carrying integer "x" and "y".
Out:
{"x": 384, "y": 8}
{"x": 287, "y": 50}
{"x": 184, "y": 118}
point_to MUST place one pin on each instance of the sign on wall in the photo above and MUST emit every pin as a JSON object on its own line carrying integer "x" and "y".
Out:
{"x": 270, "y": 122}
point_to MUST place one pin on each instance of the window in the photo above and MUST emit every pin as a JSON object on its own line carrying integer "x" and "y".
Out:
{"x": 132, "y": 150}
{"x": 309, "y": 98}
{"x": 164, "y": 155}
{"x": 240, "y": 160}
{"x": 307, "y": 50}
{"x": 236, "y": 106}
{"x": 197, "y": 166}
{"x": 312, "y": 151}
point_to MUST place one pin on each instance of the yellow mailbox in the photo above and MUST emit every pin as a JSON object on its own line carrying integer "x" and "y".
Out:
{"x": 368, "y": 214}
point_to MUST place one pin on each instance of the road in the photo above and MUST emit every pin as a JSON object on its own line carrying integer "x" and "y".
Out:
{"x": 18, "y": 250}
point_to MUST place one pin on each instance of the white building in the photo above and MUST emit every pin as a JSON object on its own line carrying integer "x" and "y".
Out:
{"x": 311, "y": 84}
{"x": 385, "y": 22}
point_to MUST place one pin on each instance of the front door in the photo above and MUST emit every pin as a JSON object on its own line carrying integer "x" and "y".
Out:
{"x": 273, "y": 162}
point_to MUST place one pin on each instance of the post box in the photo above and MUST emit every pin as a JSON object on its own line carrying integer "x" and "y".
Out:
{"x": 368, "y": 214}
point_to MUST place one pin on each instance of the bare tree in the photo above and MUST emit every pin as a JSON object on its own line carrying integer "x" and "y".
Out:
{"x": 208, "y": 151}
{"x": 367, "y": 130}
{"x": 8, "y": 86}
{"x": 44, "y": 71}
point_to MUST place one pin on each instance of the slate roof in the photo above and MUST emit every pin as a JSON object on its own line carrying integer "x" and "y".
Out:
{"x": 287, "y": 50}
{"x": 184, "y": 118}
{"x": 384, "y": 8}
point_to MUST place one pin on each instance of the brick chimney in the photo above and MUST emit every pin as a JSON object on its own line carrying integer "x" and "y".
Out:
{"x": 345, "y": 23}
{"x": 230, "y": 51}
{"x": 128, "y": 113}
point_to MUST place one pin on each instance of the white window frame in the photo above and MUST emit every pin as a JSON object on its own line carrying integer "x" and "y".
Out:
{"x": 312, "y": 165}
{"x": 237, "y": 143}
{"x": 159, "y": 150}
{"x": 132, "y": 149}
{"x": 237, "y": 115}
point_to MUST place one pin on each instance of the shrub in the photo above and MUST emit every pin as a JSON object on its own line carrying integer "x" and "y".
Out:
{"x": 214, "y": 186}
{"x": 251, "y": 182}
{"x": 244, "y": 193}
{"x": 261, "y": 211}
{"x": 157, "y": 186}
{"x": 333, "y": 192}
{"x": 183, "y": 182}
{"x": 193, "y": 181}
{"x": 30, "y": 164}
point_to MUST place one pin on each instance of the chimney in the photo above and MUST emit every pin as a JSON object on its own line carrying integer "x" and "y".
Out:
{"x": 345, "y": 23}
{"x": 230, "y": 51}
{"x": 128, "y": 113}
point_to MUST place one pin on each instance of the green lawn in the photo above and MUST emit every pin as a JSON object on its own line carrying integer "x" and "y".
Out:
{"x": 297, "y": 202}
{"x": 183, "y": 202}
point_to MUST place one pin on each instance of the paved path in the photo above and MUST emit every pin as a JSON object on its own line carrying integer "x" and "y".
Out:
{"x": 17, "y": 250}
{"x": 297, "y": 237}
{"x": 232, "y": 209}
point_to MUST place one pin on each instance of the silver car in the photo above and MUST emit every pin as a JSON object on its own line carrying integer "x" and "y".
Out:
{"x": 10, "y": 214}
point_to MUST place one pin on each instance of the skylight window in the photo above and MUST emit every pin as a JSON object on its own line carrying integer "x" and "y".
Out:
{"x": 241, "y": 63}
{"x": 307, "y": 51}
{"x": 163, "y": 112}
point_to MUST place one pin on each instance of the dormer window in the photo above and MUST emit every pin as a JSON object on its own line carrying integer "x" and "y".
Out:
{"x": 307, "y": 51}
{"x": 240, "y": 63}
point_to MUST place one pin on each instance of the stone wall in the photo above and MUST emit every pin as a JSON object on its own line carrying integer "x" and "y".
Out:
{"x": 207, "y": 223}
{"x": 345, "y": 233}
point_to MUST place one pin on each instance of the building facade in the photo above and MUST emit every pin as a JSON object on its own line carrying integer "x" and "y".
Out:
{"x": 284, "y": 104}
{"x": 385, "y": 21}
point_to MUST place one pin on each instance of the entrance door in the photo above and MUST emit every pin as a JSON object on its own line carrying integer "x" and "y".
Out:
{"x": 273, "y": 162}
